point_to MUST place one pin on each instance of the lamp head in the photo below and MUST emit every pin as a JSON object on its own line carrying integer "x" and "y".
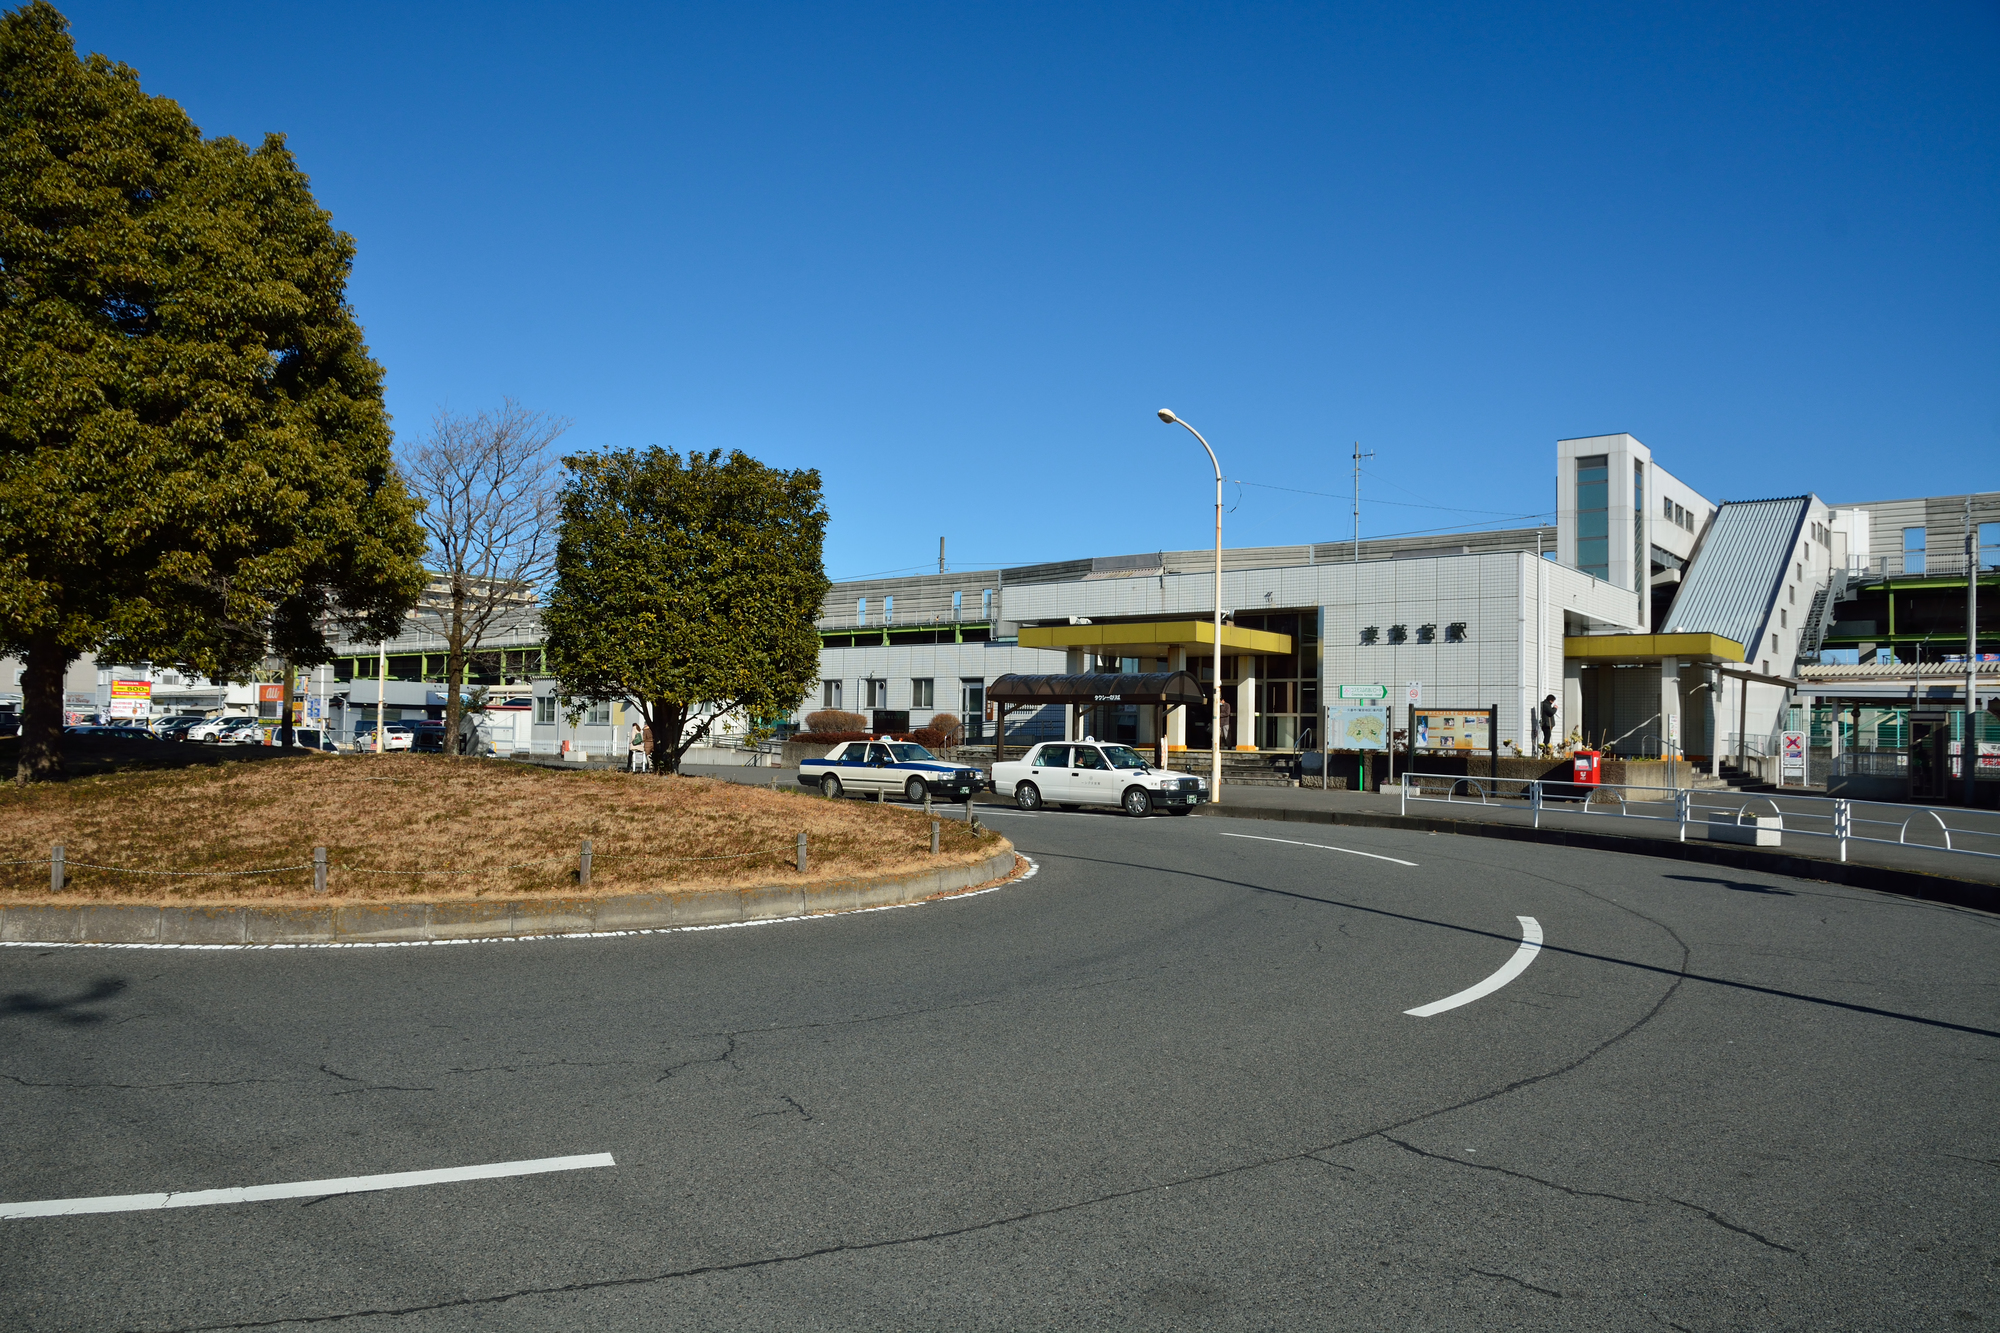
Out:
{"x": 1168, "y": 417}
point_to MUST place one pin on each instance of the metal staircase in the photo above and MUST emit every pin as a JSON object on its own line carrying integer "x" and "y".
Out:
{"x": 1820, "y": 618}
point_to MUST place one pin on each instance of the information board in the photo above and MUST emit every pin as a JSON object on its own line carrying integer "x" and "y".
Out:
{"x": 1452, "y": 729}
{"x": 1792, "y": 755}
{"x": 1357, "y": 727}
{"x": 1364, "y": 691}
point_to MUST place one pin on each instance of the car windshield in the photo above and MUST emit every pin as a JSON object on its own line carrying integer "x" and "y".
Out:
{"x": 1123, "y": 756}
{"x": 910, "y": 754}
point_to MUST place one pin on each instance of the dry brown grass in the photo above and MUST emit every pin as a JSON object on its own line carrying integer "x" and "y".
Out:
{"x": 429, "y": 813}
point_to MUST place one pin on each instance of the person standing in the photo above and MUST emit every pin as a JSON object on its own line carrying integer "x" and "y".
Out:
{"x": 1547, "y": 718}
{"x": 632, "y": 751}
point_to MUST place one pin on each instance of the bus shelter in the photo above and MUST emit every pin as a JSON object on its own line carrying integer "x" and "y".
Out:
{"x": 1164, "y": 691}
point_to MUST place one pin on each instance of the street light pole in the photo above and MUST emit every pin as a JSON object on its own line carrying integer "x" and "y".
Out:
{"x": 1215, "y": 696}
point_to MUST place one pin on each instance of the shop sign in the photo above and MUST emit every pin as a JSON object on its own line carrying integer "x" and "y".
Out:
{"x": 1364, "y": 691}
{"x": 131, "y": 698}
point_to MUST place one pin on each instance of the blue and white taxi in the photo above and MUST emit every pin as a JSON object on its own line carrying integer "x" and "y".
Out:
{"x": 1091, "y": 772}
{"x": 889, "y": 767}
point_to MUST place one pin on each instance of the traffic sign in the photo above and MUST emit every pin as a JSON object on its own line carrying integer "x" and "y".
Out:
{"x": 1364, "y": 691}
{"x": 1416, "y": 693}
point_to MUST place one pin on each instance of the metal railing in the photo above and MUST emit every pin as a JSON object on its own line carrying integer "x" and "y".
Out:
{"x": 1959, "y": 831}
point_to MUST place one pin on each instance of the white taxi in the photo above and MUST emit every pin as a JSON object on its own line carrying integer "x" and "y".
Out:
{"x": 1091, "y": 772}
{"x": 887, "y": 767}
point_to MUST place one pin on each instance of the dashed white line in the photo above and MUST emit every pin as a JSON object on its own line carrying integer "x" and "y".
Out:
{"x": 1531, "y": 944}
{"x": 1373, "y": 856}
{"x": 300, "y": 1189}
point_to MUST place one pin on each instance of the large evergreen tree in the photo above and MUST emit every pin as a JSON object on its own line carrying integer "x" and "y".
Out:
{"x": 688, "y": 585}
{"x": 194, "y": 455}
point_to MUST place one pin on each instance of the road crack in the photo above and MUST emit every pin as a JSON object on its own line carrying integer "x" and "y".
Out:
{"x": 1519, "y": 1282}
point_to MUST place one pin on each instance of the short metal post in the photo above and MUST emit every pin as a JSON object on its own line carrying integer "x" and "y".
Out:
{"x": 934, "y": 837}
{"x": 1843, "y": 825}
{"x": 319, "y": 870}
{"x": 1406, "y": 795}
{"x": 1683, "y": 801}
{"x": 56, "y": 868}
{"x": 802, "y": 853}
{"x": 1535, "y": 800}
{"x": 583, "y": 865}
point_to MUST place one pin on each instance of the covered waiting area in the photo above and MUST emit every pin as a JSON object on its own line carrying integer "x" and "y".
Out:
{"x": 1164, "y": 691}
{"x": 1177, "y": 646}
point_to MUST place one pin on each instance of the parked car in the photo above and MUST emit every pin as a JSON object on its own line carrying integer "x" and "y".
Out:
{"x": 177, "y": 728}
{"x": 901, "y": 767}
{"x": 241, "y": 731}
{"x": 208, "y": 728}
{"x": 395, "y": 736}
{"x": 314, "y": 739}
{"x": 1087, "y": 772}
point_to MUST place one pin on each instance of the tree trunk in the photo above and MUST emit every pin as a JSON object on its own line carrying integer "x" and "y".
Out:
{"x": 285, "y": 740}
{"x": 42, "y": 710}
{"x": 670, "y": 722}
{"x": 454, "y": 668}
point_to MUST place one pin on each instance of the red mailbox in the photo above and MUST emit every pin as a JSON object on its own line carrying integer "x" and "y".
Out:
{"x": 1586, "y": 767}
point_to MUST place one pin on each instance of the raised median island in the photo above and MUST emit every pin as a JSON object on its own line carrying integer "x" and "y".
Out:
{"x": 425, "y": 847}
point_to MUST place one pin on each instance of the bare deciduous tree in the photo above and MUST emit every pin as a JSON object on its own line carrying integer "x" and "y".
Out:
{"x": 489, "y": 488}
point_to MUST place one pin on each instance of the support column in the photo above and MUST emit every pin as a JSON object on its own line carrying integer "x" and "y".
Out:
{"x": 1246, "y": 705}
{"x": 1074, "y": 664}
{"x": 1671, "y": 739}
{"x": 1177, "y": 717}
{"x": 1571, "y": 716}
{"x": 1718, "y": 707}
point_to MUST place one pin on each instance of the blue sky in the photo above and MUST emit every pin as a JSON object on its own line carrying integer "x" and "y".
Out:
{"x": 955, "y": 256}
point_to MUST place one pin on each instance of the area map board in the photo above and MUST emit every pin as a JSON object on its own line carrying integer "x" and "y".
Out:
{"x": 1357, "y": 727}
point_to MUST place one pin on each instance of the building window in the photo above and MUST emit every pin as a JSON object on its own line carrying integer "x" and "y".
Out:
{"x": 861, "y": 611}
{"x": 1593, "y": 486}
{"x": 888, "y": 610}
{"x": 545, "y": 709}
{"x": 1774, "y": 648}
{"x": 829, "y": 694}
{"x": 1792, "y": 594}
{"x": 1371, "y": 634}
{"x": 1989, "y": 545}
{"x": 957, "y": 604}
{"x": 878, "y": 693}
{"x": 972, "y": 706}
{"x": 597, "y": 715}
{"x": 1666, "y": 509}
{"x": 922, "y": 694}
{"x": 1639, "y": 542}
{"x": 1784, "y": 617}
{"x": 1399, "y": 634}
{"x": 986, "y": 603}
{"x": 1913, "y": 550}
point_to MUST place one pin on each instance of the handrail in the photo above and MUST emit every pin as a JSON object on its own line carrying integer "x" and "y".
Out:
{"x": 1844, "y": 820}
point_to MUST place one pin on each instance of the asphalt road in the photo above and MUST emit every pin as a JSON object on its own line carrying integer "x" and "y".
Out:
{"x": 1167, "y": 1083}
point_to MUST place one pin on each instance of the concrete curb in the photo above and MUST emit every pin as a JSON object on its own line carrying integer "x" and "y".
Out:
{"x": 121, "y": 923}
{"x": 1884, "y": 879}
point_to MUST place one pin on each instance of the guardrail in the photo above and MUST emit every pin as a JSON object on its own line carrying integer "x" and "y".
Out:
{"x": 1758, "y": 820}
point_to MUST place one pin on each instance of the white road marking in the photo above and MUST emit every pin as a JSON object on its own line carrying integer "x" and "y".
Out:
{"x": 300, "y": 1189}
{"x": 1323, "y": 847}
{"x": 1531, "y": 944}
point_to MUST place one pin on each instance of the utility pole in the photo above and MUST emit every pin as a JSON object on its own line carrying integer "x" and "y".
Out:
{"x": 940, "y": 555}
{"x": 381, "y": 690}
{"x": 1358, "y": 456}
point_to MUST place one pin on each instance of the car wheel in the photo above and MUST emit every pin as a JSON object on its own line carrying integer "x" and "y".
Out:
{"x": 1028, "y": 796}
{"x": 829, "y": 787}
{"x": 1137, "y": 802}
{"x": 914, "y": 791}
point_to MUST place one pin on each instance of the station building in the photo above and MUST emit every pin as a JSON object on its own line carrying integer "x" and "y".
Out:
{"x": 1664, "y": 621}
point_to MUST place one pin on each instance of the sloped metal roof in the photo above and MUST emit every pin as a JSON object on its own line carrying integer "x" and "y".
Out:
{"x": 1734, "y": 580}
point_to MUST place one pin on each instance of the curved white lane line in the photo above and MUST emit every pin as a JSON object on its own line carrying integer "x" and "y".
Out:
{"x": 1325, "y": 847}
{"x": 1531, "y": 944}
